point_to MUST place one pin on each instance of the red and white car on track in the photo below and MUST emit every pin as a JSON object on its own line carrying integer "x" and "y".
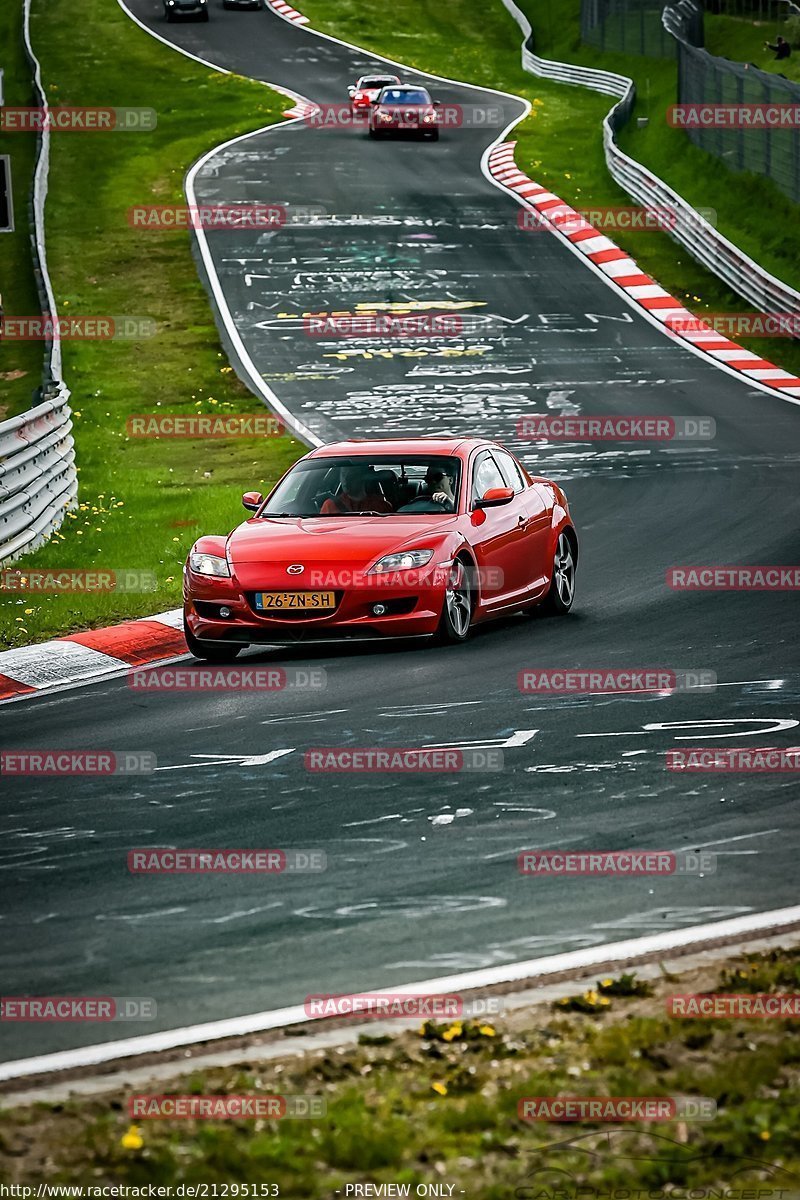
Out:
{"x": 404, "y": 109}
{"x": 383, "y": 539}
{"x": 367, "y": 90}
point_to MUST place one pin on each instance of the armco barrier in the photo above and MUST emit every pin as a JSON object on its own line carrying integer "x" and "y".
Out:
{"x": 38, "y": 480}
{"x": 706, "y": 244}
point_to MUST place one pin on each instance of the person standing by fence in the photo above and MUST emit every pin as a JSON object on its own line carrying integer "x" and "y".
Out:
{"x": 782, "y": 48}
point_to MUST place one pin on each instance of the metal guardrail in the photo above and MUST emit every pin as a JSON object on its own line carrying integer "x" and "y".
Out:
{"x": 690, "y": 229}
{"x": 38, "y": 480}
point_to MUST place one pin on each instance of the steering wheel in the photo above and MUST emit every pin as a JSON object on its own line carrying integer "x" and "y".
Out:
{"x": 423, "y": 503}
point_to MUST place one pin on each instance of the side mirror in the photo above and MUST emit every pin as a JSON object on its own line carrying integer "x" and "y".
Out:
{"x": 252, "y": 500}
{"x": 437, "y": 103}
{"x": 494, "y": 497}
{"x": 351, "y": 92}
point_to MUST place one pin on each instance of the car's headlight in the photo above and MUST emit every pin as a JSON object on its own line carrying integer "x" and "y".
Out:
{"x": 209, "y": 564}
{"x": 406, "y": 561}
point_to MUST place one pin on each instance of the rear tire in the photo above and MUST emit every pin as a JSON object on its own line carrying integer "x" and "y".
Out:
{"x": 456, "y": 619}
{"x": 209, "y": 651}
{"x": 558, "y": 600}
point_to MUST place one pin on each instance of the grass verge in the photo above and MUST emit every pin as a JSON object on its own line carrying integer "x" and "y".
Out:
{"x": 743, "y": 40}
{"x": 142, "y": 501}
{"x": 441, "y": 1106}
{"x": 20, "y": 362}
{"x": 560, "y": 145}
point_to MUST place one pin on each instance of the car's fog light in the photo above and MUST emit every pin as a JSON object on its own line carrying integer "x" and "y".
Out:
{"x": 378, "y": 610}
{"x": 225, "y": 612}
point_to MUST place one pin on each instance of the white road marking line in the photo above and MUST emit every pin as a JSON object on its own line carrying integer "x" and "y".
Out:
{"x": 740, "y": 837}
{"x": 325, "y": 712}
{"x": 776, "y": 725}
{"x": 520, "y": 737}
{"x": 230, "y": 760}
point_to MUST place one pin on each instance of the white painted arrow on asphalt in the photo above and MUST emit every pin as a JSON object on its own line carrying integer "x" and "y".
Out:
{"x": 230, "y": 760}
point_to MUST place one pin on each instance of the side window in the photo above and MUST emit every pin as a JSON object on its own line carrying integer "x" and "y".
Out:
{"x": 487, "y": 475}
{"x": 510, "y": 469}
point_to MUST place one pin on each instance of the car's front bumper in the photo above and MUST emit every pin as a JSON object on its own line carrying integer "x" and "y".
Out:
{"x": 411, "y": 611}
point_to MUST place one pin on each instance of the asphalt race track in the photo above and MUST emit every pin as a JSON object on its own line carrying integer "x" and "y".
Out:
{"x": 422, "y": 877}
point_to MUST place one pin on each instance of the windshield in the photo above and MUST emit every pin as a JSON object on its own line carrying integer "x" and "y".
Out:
{"x": 367, "y": 485}
{"x": 379, "y": 82}
{"x": 404, "y": 96}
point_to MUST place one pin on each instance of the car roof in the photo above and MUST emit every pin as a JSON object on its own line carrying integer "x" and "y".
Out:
{"x": 364, "y": 447}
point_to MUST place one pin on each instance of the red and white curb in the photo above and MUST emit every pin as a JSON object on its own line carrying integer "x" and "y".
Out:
{"x": 84, "y": 657}
{"x": 287, "y": 12}
{"x": 303, "y": 108}
{"x": 622, "y": 271}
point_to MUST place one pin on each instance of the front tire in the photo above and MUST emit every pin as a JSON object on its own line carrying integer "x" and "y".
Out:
{"x": 209, "y": 651}
{"x": 454, "y": 625}
{"x": 562, "y": 579}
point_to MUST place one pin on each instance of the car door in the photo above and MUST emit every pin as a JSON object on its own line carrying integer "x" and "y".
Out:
{"x": 538, "y": 521}
{"x": 499, "y": 535}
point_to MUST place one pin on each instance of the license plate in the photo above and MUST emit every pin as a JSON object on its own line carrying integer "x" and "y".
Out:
{"x": 294, "y": 601}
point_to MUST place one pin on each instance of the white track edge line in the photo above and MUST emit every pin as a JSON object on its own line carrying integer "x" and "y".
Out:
{"x": 469, "y": 980}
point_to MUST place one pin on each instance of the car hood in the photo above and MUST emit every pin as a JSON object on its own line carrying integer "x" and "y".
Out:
{"x": 356, "y": 541}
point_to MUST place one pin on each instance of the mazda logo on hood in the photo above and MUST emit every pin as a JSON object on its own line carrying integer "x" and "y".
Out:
{"x": 296, "y": 569}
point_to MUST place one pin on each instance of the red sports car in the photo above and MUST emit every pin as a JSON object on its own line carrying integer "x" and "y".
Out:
{"x": 404, "y": 110}
{"x": 383, "y": 539}
{"x": 368, "y": 88}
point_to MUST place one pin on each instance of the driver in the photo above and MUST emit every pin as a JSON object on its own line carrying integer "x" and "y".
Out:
{"x": 354, "y": 496}
{"x": 439, "y": 485}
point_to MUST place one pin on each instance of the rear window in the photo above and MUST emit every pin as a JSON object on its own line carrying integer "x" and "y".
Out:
{"x": 404, "y": 96}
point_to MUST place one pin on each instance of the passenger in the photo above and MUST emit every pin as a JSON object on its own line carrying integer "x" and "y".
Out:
{"x": 354, "y": 496}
